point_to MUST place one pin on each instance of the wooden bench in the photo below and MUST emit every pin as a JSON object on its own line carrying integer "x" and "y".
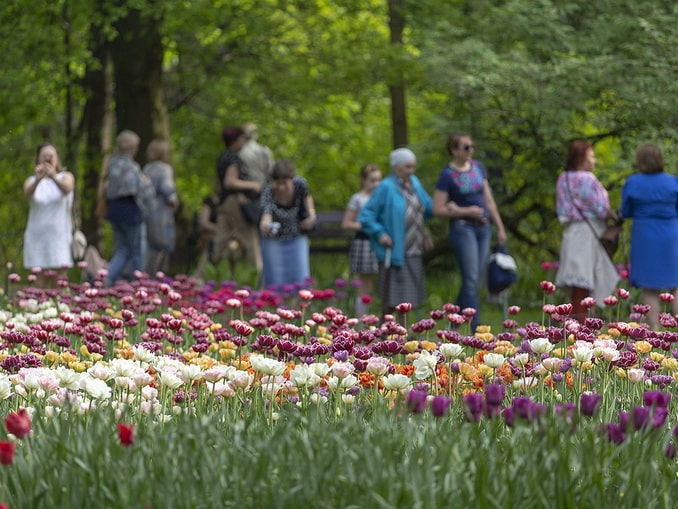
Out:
{"x": 328, "y": 236}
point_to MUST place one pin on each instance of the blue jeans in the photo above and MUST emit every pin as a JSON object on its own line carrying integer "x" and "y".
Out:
{"x": 286, "y": 261}
{"x": 127, "y": 249}
{"x": 471, "y": 247}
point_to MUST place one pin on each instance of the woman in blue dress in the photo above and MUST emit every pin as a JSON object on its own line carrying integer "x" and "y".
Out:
{"x": 650, "y": 198}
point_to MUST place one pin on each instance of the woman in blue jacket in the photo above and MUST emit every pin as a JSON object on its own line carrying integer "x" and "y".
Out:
{"x": 393, "y": 219}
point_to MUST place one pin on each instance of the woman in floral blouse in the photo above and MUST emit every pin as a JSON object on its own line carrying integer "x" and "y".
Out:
{"x": 583, "y": 209}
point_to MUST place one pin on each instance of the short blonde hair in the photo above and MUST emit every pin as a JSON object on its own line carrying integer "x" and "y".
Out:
{"x": 127, "y": 140}
{"x": 158, "y": 150}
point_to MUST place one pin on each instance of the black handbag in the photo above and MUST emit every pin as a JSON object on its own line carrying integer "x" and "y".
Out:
{"x": 610, "y": 238}
{"x": 251, "y": 211}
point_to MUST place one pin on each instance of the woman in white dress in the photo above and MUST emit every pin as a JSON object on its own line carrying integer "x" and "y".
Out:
{"x": 48, "y": 235}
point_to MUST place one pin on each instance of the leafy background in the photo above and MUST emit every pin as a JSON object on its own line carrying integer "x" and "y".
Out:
{"x": 523, "y": 77}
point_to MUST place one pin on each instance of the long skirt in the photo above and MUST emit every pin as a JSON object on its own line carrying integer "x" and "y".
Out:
{"x": 584, "y": 263}
{"x": 405, "y": 284}
{"x": 286, "y": 261}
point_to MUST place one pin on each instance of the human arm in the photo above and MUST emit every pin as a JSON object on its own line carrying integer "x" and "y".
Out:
{"x": 591, "y": 196}
{"x": 204, "y": 219}
{"x": 350, "y": 220}
{"x": 443, "y": 206}
{"x": 267, "y": 204}
{"x": 626, "y": 208}
{"x": 493, "y": 210}
{"x": 167, "y": 188}
{"x": 265, "y": 224}
{"x": 233, "y": 182}
{"x": 308, "y": 223}
{"x": 64, "y": 180}
{"x": 370, "y": 214}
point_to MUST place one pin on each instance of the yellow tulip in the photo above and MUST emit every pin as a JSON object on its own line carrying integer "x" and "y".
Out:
{"x": 411, "y": 346}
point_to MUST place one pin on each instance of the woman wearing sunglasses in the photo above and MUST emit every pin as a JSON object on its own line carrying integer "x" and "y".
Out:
{"x": 463, "y": 195}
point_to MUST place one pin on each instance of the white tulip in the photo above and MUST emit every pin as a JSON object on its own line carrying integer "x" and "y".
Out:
{"x": 5, "y": 389}
{"x": 396, "y": 382}
{"x": 95, "y": 388}
{"x": 541, "y": 345}
{"x": 267, "y": 366}
{"x": 170, "y": 380}
{"x": 494, "y": 360}
{"x": 303, "y": 375}
{"x": 451, "y": 350}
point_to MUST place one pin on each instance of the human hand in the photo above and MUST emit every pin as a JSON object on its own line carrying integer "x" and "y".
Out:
{"x": 614, "y": 216}
{"x": 270, "y": 228}
{"x": 501, "y": 237}
{"x": 452, "y": 208}
{"x": 475, "y": 212}
{"x": 308, "y": 223}
{"x": 39, "y": 171}
{"x": 386, "y": 240}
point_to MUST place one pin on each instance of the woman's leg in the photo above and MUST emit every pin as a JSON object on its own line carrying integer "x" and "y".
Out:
{"x": 471, "y": 246}
{"x": 651, "y": 298}
{"x": 579, "y": 312}
{"x": 121, "y": 253}
{"x": 364, "y": 294}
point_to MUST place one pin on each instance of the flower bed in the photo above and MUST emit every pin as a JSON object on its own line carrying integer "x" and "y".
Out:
{"x": 165, "y": 394}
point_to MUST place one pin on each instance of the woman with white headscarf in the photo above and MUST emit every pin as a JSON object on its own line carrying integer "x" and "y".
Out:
{"x": 393, "y": 219}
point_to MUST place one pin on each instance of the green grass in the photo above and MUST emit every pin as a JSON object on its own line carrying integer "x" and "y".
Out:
{"x": 366, "y": 459}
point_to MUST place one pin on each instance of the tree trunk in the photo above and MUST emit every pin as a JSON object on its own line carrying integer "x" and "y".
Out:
{"x": 97, "y": 127}
{"x": 137, "y": 54}
{"x": 397, "y": 88}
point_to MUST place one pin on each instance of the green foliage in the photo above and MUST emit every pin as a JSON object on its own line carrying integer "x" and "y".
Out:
{"x": 310, "y": 459}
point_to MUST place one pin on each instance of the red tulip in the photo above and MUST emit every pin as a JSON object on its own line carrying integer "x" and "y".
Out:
{"x": 404, "y": 307}
{"x": 126, "y": 434}
{"x": 7, "y": 453}
{"x": 623, "y": 294}
{"x": 564, "y": 309}
{"x": 18, "y": 423}
{"x": 610, "y": 300}
{"x": 547, "y": 287}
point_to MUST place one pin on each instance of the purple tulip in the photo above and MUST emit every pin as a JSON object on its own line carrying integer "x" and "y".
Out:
{"x": 473, "y": 406}
{"x": 658, "y": 418}
{"x": 615, "y": 432}
{"x": 640, "y": 416}
{"x": 588, "y": 403}
{"x": 522, "y": 406}
{"x": 440, "y": 405}
{"x": 341, "y": 355}
{"x": 509, "y": 416}
{"x": 656, "y": 399}
{"x": 661, "y": 380}
{"x": 416, "y": 401}
{"x": 494, "y": 395}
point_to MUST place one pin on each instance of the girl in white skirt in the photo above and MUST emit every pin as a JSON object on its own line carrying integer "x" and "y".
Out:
{"x": 362, "y": 260}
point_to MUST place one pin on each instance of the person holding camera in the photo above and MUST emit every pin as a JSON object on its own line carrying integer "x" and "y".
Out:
{"x": 49, "y": 231}
{"x": 288, "y": 214}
